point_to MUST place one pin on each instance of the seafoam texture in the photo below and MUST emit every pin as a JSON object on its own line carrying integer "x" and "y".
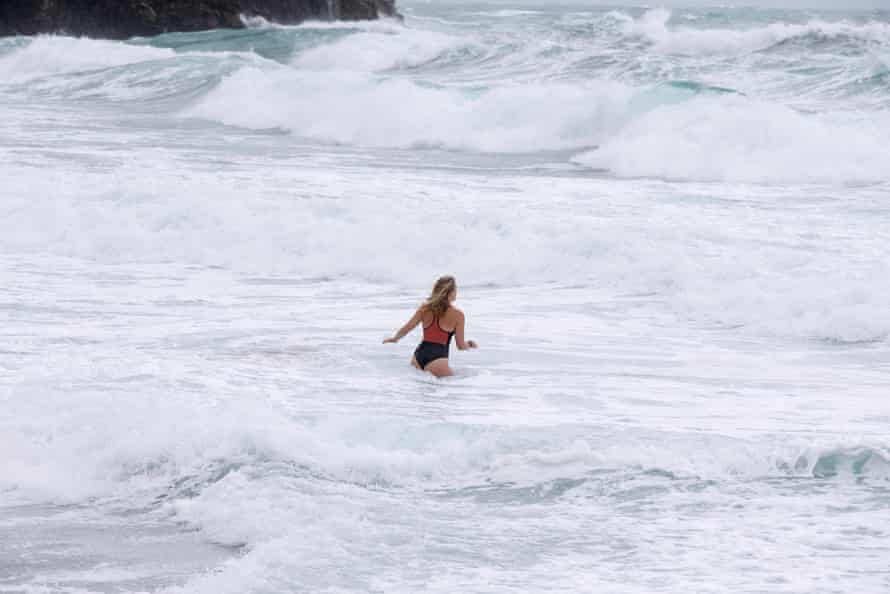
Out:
{"x": 670, "y": 235}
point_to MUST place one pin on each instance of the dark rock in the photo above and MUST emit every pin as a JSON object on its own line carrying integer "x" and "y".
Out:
{"x": 119, "y": 19}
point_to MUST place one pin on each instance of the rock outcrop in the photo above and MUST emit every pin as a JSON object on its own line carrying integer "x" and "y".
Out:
{"x": 120, "y": 19}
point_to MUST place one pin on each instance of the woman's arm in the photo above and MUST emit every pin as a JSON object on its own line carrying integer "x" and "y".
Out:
{"x": 412, "y": 323}
{"x": 459, "y": 334}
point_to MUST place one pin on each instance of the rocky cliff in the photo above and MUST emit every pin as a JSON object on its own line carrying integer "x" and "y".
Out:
{"x": 119, "y": 19}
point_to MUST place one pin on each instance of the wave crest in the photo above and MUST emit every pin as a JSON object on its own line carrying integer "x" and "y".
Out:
{"x": 51, "y": 55}
{"x": 363, "y": 110}
{"x": 653, "y": 27}
{"x": 736, "y": 139}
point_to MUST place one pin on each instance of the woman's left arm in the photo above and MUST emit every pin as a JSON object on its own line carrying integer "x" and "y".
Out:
{"x": 412, "y": 323}
{"x": 462, "y": 343}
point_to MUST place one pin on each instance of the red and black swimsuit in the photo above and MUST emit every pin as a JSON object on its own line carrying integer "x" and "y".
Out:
{"x": 435, "y": 344}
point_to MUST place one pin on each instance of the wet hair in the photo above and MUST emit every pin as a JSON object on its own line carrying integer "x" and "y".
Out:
{"x": 438, "y": 301}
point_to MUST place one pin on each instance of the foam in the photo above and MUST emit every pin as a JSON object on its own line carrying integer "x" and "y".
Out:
{"x": 532, "y": 230}
{"x": 708, "y": 138}
{"x": 363, "y": 110}
{"x": 291, "y": 494}
{"x": 332, "y": 90}
{"x": 291, "y": 506}
{"x": 87, "y": 69}
{"x": 376, "y": 50}
{"x": 204, "y": 454}
{"x": 51, "y": 55}
{"x": 256, "y": 22}
{"x": 506, "y": 13}
{"x": 652, "y": 26}
{"x": 733, "y": 138}
{"x": 143, "y": 381}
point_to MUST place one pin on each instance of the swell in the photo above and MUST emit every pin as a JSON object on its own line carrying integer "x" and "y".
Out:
{"x": 250, "y": 443}
{"x": 662, "y": 31}
{"x": 62, "y": 69}
{"x": 477, "y": 93}
{"x": 825, "y": 37}
{"x": 460, "y": 55}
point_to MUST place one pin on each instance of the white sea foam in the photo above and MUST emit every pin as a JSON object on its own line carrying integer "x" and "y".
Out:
{"x": 156, "y": 440}
{"x": 256, "y": 22}
{"x": 510, "y": 236}
{"x": 370, "y": 51}
{"x": 709, "y": 138}
{"x": 365, "y": 110}
{"x": 677, "y": 366}
{"x": 737, "y": 139}
{"x": 78, "y": 69}
{"x": 653, "y": 26}
{"x": 506, "y": 13}
{"x": 49, "y": 55}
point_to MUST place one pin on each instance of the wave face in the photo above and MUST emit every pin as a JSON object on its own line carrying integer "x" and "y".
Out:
{"x": 670, "y": 231}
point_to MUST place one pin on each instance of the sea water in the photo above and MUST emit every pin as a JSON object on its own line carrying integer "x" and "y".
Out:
{"x": 670, "y": 232}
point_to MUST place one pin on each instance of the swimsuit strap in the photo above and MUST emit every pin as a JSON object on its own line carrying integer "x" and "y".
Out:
{"x": 449, "y": 332}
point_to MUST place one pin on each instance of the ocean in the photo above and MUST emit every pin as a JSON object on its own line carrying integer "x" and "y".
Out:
{"x": 670, "y": 231}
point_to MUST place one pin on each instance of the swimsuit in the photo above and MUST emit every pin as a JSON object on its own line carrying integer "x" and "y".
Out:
{"x": 434, "y": 346}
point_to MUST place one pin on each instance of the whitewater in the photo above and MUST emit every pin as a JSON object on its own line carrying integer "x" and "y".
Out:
{"x": 670, "y": 232}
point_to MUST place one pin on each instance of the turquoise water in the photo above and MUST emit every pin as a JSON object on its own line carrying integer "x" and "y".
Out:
{"x": 669, "y": 230}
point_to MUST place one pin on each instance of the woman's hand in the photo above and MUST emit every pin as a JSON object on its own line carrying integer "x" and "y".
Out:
{"x": 404, "y": 330}
{"x": 472, "y": 344}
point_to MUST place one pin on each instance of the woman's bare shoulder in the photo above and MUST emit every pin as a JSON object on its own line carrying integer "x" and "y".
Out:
{"x": 458, "y": 314}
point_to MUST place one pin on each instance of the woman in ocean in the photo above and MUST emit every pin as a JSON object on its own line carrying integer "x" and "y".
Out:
{"x": 441, "y": 320}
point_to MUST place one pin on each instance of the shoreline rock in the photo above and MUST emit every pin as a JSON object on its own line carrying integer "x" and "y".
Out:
{"x": 121, "y": 19}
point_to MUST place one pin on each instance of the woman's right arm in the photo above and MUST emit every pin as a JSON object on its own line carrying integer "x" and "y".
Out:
{"x": 408, "y": 327}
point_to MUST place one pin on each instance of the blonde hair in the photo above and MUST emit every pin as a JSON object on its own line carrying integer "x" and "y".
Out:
{"x": 438, "y": 301}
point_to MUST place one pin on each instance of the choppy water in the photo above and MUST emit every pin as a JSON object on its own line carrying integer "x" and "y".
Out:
{"x": 670, "y": 231}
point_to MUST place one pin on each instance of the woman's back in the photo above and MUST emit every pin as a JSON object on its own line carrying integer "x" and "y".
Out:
{"x": 439, "y": 329}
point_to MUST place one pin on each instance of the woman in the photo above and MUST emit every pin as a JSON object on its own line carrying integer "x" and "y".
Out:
{"x": 441, "y": 320}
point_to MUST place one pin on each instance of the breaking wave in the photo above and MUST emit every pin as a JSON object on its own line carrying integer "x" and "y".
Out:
{"x": 385, "y": 85}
